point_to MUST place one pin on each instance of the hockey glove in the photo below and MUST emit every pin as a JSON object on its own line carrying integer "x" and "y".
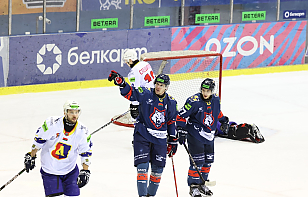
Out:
{"x": 224, "y": 127}
{"x": 172, "y": 146}
{"x": 29, "y": 162}
{"x": 117, "y": 79}
{"x": 134, "y": 112}
{"x": 83, "y": 178}
{"x": 182, "y": 135}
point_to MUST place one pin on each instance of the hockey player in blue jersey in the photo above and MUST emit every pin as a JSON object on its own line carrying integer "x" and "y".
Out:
{"x": 197, "y": 122}
{"x": 154, "y": 133}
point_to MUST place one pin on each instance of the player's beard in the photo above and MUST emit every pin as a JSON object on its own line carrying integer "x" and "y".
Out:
{"x": 72, "y": 120}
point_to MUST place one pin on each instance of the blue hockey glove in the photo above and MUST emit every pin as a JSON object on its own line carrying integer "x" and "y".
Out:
{"x": 224, "y": 127}
{"x": 29, "y": 162}
{"x": 117, "y": 79}
{"x": 83, "y": 178}
{"x": 172, "y": 146}
{"x": 182, "y": 135}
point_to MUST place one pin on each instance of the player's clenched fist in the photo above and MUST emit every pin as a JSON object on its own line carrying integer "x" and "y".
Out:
{"x": 117, "y": 78}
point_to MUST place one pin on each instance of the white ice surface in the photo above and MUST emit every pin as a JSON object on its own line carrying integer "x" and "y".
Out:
{"x": 277, "y": 103}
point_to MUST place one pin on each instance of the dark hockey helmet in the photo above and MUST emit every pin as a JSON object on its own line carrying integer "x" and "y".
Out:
{"x": 208, "y": 84}
{"x": 162, "y": 78}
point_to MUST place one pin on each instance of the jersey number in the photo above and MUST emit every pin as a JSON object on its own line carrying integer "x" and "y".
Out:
{"x": 149, "y": 78}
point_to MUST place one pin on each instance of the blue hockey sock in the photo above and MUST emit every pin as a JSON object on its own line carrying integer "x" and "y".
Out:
{"x": 156, "y": 172}
{"x": 205, "y": 170}
{"x": 193, "y": 176}
{"x": 142, "y": 178}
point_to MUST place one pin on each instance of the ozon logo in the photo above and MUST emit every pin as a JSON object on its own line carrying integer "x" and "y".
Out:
{"x": 57, "y": 62}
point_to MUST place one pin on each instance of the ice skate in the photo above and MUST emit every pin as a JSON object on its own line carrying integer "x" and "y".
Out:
{"x": 194, "y": 191}
{"x": 204, "y": 190}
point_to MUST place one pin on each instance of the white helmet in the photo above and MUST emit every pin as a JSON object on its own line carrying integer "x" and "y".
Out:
{"x": 130, "y": 54}
{"x": 71, "y": 104}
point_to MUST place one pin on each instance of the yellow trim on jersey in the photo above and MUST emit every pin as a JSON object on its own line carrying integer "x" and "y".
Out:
{"x": 66, "y": 134}
{"x": 174, "y": 77}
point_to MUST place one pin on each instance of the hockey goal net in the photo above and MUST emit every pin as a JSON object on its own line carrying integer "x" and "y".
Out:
{"x": 186, "y": 69}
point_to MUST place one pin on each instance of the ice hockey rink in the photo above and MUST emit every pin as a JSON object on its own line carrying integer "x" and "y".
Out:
{"x": 277, "y": 103}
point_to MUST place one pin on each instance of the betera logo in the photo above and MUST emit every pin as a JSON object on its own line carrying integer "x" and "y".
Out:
{"x": 58, "y": 59}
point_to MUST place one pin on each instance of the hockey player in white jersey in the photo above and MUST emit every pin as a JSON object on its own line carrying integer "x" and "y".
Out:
{"x": 140, "y": 75}
{"x": 61, "y": 140}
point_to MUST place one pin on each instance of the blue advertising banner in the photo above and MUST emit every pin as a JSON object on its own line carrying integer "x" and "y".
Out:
{"x": 4, "y": 63}
{"x": 79, "y": 56}
{"x": 1, "y": 64}
{"x": 290, "y": 14}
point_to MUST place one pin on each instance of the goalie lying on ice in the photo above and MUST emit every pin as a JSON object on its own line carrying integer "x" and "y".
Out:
{"x": 245, "y": 132}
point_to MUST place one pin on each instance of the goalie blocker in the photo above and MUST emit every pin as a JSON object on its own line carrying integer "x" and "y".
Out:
{"x": 245, "y": 132}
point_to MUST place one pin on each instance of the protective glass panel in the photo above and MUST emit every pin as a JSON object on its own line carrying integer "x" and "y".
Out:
{"x": 98, "y": 15}
{"x": 4, "y": 19}
{"x": 206, "y": 12}
{"x": 293, "y": 10}
{"x": 246, "y": 11}
{"x": 159, "y": 13}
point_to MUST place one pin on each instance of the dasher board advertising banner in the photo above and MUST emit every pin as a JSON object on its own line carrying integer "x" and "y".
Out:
{"x": 78, "y": 56}
{"x": 244, "y": 45}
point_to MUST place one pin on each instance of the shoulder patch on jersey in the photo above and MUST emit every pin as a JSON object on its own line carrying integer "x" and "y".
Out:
{"x": 187, "y": 106}
{"x": 171, "y": 97}
{"x": 89, "y": 138}
{"x": 194, "y": 98}
{"x": 140, "y": 89}
{"x": 133, "y": 79}
{"x": 44, "y": 126}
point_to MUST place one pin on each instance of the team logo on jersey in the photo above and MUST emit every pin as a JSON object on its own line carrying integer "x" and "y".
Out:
{"x": 158, "y": 118}
{"x": 149, "y": 101}
{"x": 61, "y": 151}
{"x": 208, "y": 120}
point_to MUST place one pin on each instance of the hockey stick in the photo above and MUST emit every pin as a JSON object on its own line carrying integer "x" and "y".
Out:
{"x": 19, "y": 173}
{"x": 90, "y": 134}
{"x": 207, "y": 183}
{"x": 176, "y": 187}
{"x": 111, "y": 121}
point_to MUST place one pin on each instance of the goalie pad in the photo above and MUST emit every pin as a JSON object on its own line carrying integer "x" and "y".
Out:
{"x": 245, "y": 132}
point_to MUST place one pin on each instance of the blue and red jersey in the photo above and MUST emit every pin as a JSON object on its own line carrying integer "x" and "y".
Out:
{"x": 200, "y": 117}
{"x": 157, "y": 116}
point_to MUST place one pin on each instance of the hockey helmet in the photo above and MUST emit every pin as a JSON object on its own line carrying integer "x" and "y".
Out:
{"x": 129, "y": 54}
{"x": 162, "y": 78}
{"x": 71, "y": 104}
{"x": 208, "y": 84}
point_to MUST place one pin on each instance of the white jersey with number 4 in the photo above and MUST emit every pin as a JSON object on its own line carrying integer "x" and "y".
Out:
{"x": 60, "y": 149}
{"x": 141, "y": 75}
